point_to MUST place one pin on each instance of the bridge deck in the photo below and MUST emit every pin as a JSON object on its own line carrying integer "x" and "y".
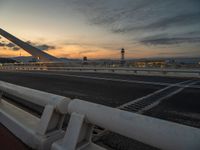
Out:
{"x": 108, "y": 89}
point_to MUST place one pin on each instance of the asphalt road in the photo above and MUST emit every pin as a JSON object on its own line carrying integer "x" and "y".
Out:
{"x": 114, "y": 90}
{"x": 108, "y": 89}
{"x": 102, "y": 90}
{"x": 181, "y": 108}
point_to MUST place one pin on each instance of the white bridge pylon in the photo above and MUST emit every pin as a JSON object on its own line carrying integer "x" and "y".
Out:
{"x": 35, "y": 52}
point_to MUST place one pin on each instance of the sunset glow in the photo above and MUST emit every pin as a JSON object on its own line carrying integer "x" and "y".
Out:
{"x": 74, "y": 29}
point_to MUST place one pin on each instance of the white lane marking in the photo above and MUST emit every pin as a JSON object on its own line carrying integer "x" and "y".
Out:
{"x": 109, "y": 79}
{"x": 99, "y": 78}
{"x": 167, "y": 96}
{"x": 158, "y": 101}
{"x": 151, "y": 94}
{"x": 121, "y": 80}
{"x": 104, "y": 131}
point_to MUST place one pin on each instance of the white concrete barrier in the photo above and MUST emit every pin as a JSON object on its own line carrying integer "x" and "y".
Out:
{"x": 35, "y": 96}
{"x": 46, "y": 132}
{"x": 38, "y": 133}
{"x": 155, "y": 132}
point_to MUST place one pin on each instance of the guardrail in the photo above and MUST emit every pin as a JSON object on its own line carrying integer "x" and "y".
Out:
{"x": 138, "y": 71}
{"x": 46, "y": 133}
{"x": 36, "y": 132}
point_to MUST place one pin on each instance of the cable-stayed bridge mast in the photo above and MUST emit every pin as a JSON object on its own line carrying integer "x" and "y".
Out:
{"x": 35, "y": 52}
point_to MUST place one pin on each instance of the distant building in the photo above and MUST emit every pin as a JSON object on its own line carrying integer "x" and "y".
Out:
{"x": 85, "y": 60}
{"x": 150, "y": 63}
{"x": 7, "y": 60}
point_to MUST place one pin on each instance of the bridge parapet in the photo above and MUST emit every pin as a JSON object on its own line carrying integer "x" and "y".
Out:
{"x": 36, "y": 132}
{"x": 123, "y": 70}
{"x": 46, "y": 132}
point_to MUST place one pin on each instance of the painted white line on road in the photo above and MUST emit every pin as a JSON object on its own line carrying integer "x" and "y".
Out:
{"x": 99, "y": 78}
{"x": 121, "y": 80}
{"x": 151, "y": 94}
{"x": 154, "y": 103}
{"x": 167, "y": 96}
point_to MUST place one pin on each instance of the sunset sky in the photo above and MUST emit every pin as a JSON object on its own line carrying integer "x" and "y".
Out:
{"x": 99, "y": 28}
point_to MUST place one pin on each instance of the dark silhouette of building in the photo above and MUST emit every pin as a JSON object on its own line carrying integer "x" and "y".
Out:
{"x": 7, "y": 60}
{"x": 85, "y": 60}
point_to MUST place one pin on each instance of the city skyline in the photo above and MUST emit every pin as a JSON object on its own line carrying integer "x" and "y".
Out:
{"x": 99, "y": 29}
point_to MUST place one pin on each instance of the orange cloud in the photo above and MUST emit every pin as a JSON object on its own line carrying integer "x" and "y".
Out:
{"x": 91, "y": 51}
{"x": 10, "y": 53}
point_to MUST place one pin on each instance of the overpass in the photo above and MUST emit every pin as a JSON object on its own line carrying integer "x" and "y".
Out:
{"x": 35, "y": 52}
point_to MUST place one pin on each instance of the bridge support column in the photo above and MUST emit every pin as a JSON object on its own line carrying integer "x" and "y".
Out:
{"x": 51, "y": 121}
{"x": 78, "y": 135}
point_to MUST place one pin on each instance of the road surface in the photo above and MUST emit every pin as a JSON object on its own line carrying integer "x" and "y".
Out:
{"x": 116, "y": 90}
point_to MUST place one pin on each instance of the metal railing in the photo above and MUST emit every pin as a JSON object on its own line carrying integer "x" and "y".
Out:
{"x": 48, "y": 134}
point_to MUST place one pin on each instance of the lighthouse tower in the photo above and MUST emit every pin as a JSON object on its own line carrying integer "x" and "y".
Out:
{"x": 122, "y": 56}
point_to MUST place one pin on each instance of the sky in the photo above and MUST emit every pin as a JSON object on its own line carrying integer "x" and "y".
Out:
{"x": 100, "y": 28}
